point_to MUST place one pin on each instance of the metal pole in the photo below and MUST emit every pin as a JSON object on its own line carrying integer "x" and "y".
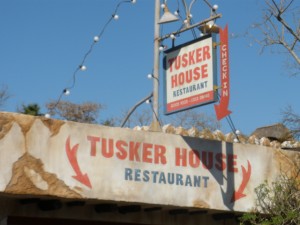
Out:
{"x": 155, "y": 126}
{"x": 133, "y": 108}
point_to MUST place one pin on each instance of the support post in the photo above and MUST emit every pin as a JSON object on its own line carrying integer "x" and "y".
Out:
{"x": 155, "y": 126}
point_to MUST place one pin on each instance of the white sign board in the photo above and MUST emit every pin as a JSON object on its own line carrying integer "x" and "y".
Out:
{"x": 190, "y": 75}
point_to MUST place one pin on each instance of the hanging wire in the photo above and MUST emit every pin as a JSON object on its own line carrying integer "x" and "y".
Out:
{"x": 66, "y": 90}
{"x": 193, "y": 30}
{"x": 156, "y": 116}
{"x": 188, "y": 14}
{"x": 230, "y": 123}
{"x": 209, "y": 5}
{"x": 191, "y": 19}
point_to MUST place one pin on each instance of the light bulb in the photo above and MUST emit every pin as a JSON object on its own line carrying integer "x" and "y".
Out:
{"x": 133, "y": 1}
{"x": 115, "y": 16}
{"x": 161, "y": 48}
{"x": 149, "y": 76}
{"x": 176, "y": 12}
{"x": 215, "y": 7}
{"x": 163, "y": 6}
{"x": 172, "y": 36}
{"x": 148, "y": 101}
{"x": 235, "y": 140}
{"x": 66, "y": 92}
{"x": 211, "y": 24}
{"x": 237, "y": 132}
{"x": 47, "y": 115}
{"x": 96, "y": 39}
{"x": 191, "y": 15}
{"x": 82, "y": 68}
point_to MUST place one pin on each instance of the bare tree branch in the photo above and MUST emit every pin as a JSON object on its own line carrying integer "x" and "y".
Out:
{"x": 4, "y": 95}
{"x": 280, "y": 26}
{"x": 84, "y": 113}
{"x": 292, "y": 121}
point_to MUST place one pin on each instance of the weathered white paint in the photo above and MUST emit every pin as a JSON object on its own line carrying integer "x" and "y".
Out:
{"x": 107, "y": 175}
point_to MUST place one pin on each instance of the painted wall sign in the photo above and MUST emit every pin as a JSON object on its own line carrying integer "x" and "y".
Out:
{"x": 74, "y": 160}
{"x": 190, "y": 75}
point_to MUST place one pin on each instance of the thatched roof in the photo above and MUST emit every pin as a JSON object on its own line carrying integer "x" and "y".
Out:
{"x": 274, "y": 132}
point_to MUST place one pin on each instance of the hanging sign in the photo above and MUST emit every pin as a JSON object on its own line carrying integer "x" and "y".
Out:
{"x": 190, "y": 75}
{"x": 222, "y": 108}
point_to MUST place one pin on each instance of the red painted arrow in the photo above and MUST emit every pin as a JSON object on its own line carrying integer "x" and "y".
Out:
{"x": 72, "y": 156}
{"x": 222, "y": 109}
{"x": 246, "y": 177}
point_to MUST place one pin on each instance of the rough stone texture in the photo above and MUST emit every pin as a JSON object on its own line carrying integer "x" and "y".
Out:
{"x": 53, "y": 125}
{"x": 275, "y": 144}
{"x": 275, "y": 136}
{"x": 193, "y": 132}
{"x": 181, "y": 131}
{"x": 168, "y": 128}
{"x": 25, "y": 122}
{"x": 6, "y": 122}
{"x": 29, "y": 177}
{"x": 288, "y": 162}
{"x": 265, "y": 141}
{"x": 206, "y": 134}
{"x": 219, "y": 135}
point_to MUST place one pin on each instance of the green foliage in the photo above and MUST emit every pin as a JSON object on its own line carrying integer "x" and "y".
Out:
{"x": 277, "y": 203}
{"x": 109, "y": 122}
{"x": 30, "y": 109}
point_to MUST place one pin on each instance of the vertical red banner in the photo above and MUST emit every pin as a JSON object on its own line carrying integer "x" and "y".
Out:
{"x": 222, "y": 108}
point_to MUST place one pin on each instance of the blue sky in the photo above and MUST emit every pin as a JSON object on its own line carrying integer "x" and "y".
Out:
{"x": 42, "y": 42}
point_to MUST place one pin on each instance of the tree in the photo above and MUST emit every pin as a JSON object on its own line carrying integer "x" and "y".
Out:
{"x": 280, "y": 32}
{"x": 192, "y": 118}
{"x": 292, "y": 121}
{"x": 4, "y": 95}
{"x": 84, "y": 113}
{"x": 277, "y": 203}
{"x": 110, "y": 122}
{"x": 137, "y": 118}
{"x": 30, "y": 109}
{"x": 186, "y": 119}
{"x": 280, "y": 27}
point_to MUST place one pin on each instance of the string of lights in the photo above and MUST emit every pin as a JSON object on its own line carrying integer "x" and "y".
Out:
{"x": 115, "y": 16}
{"x": 82, "y": 67}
